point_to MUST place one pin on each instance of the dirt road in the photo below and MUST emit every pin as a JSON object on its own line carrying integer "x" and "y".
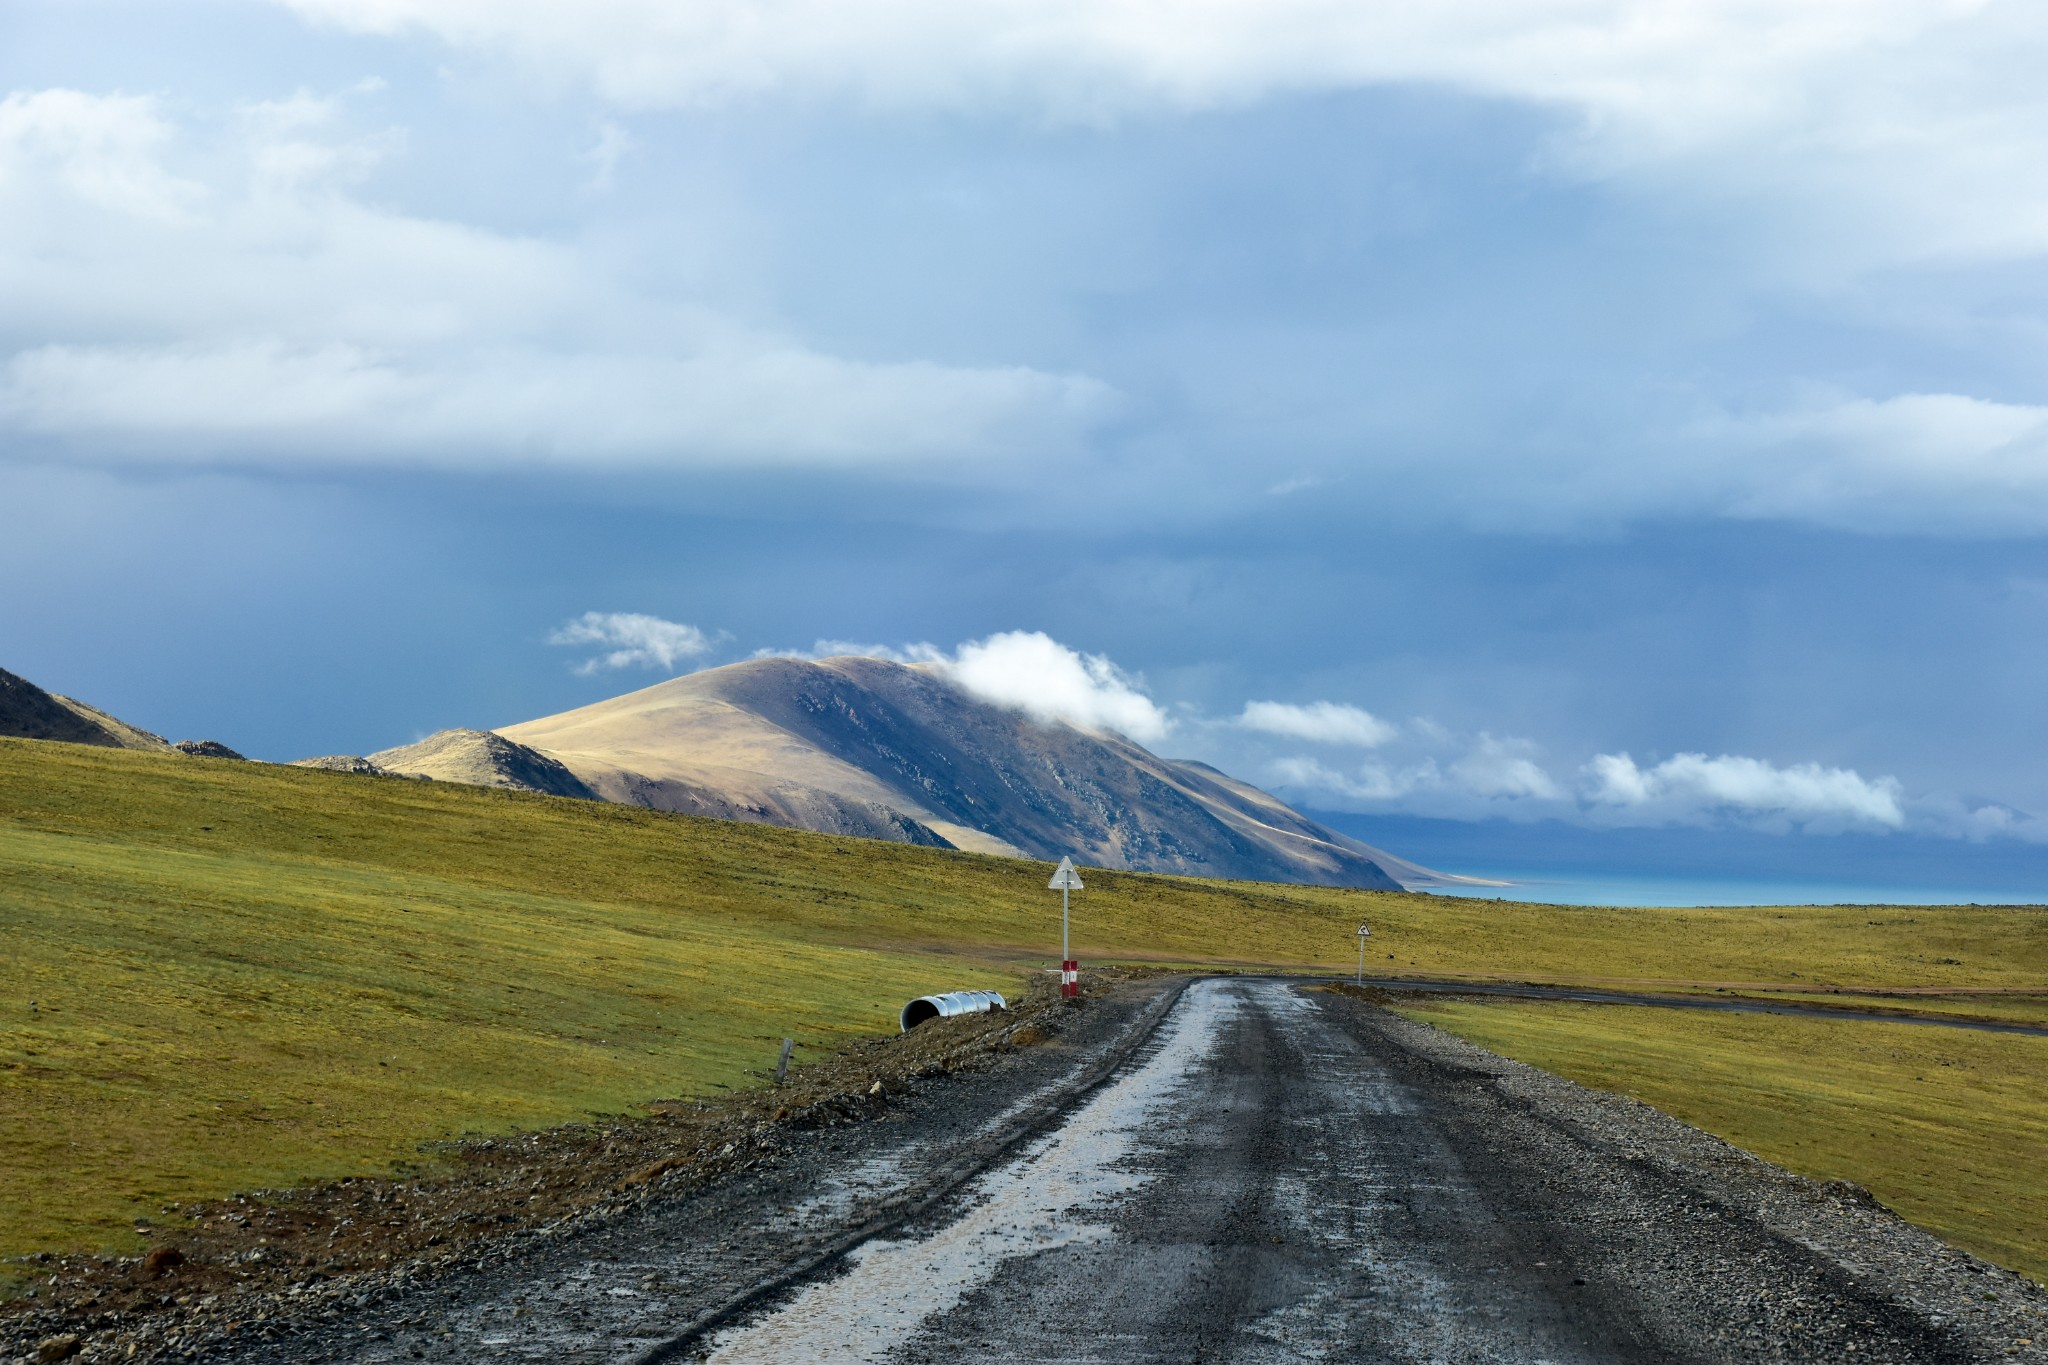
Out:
{"x": 1269, "y": 1174}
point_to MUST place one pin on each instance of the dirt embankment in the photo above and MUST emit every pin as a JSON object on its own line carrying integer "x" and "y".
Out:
{"x": 244, "y": 1259}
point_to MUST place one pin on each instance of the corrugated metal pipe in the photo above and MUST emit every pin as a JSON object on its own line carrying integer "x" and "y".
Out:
{"x": 948, "y": 1004}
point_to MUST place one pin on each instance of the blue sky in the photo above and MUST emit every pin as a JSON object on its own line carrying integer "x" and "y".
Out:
{"x": 1621, "y": 415}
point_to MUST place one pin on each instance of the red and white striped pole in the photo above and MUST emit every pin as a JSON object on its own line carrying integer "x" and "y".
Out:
{"x": 1065, "y": 880}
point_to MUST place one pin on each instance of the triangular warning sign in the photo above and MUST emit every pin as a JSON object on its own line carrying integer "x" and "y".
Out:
{"x": 1066, "y": 879}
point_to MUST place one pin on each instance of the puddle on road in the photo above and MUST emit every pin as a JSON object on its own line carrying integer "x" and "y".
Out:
{"x": 1037, "y": 1202}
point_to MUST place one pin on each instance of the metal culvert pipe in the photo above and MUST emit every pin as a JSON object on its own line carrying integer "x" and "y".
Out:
{"x": 949, "y": 1003}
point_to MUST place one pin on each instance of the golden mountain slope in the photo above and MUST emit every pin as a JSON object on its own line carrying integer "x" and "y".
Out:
{"x": 859, "y": 745}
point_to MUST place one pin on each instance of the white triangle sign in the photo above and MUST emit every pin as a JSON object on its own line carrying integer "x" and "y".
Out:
{"x": 1065, "y": 879}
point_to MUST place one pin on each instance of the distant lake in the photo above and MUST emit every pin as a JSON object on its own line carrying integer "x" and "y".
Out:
{"x": 1573, "y": 865}
{"x": 1552, "y": 887}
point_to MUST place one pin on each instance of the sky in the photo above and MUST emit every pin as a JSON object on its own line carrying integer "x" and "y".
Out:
{"x": 1595, "y": 415}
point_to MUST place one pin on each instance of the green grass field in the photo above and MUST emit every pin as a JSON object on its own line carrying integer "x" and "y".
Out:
{"x": 246, "y": 976}
{"x": 1948, "y": 1127}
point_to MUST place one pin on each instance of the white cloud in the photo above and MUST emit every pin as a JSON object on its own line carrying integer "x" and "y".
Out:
{"x": 1034, "y": 673}
{"x": 1322, "y": 722}
{"x": 182, "y": 290}
{"x": 1947, "y": 815}
{"x": 102, "y": 150}
{"x": 632, "y": 640}
{"x": 1372, "y": 783}
{"x": 738, "y": 401}
{"x": 1028, "y": 671}
{"x": 1916, "y": 462}
{"x": 1433, "y": 771}
{"x": 1688, "y": 787}
{"x": 1688, "y": 69}
{"x": 1437, "y": 774}
{"x": 1488, "y": 777}
{"x": 265, "y": 312}
{"x": 1504, "y": 768}
{"x": 1906, "y": 126}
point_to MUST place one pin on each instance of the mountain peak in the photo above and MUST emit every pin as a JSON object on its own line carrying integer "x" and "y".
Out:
{"x": 28, "y": 712}
{"x": 863, "y": 745}
{"x": 481, "y": 758}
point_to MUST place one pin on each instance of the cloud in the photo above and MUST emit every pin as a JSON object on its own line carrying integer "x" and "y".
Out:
{"x": 266, "y": 312}
{"x": 1914, "y": 462}
{"x": 1377, "y": 784}
{"x": 920, "y": 653}
{"x": 1489, "y": 777}
{"x": 1687, "y": 70}
{"x": 1483, "y": 777}
{"x": 1036, "y": 674}
{"x": 1920, "y": 463}
{"x": 101, "y": 150}
{"x": 1028, "y": 671}
{"x": 1692, "y": 787}
{"x": 632, "y": 640}
{"x": 1323, "y": 722}
{"x": 186, "y": 290}
{"x": 1908, "y": 127}
{"x": 1495, "y": 768}
{"x": 1429, "y": 771}
{"x": 739, "y": 401}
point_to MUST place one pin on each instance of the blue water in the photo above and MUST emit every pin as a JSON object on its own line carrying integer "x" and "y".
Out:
{"x": 1571, "y": 865}
{"x": 1552, "y": 887}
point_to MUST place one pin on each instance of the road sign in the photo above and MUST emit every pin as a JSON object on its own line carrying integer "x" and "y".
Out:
{"x": 1064, "y": 880}
{"x": 1364, "y": 933}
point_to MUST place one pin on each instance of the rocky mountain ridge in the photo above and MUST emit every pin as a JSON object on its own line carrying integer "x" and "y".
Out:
{"x": 866, "y": 746}
{"x": 853, "y": 746}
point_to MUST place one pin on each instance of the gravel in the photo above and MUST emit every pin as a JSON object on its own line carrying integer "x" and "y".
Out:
{"x": 1337, "y": 1183}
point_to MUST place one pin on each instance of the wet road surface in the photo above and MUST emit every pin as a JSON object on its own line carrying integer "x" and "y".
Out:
{"x": 1278, "y": 1181}
{"x": 1270, "y": 1174}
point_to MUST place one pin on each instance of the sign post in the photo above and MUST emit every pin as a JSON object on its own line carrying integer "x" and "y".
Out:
{"x": 1364, "y": 933}
{"x": 1063, "y": 881}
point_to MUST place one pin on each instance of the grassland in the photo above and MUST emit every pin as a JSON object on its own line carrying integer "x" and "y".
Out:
{"x": 246, "y": 976}
{"x": 1947, "y": 1127}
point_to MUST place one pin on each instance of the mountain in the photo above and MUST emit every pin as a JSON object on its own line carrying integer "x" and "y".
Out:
{"x": 885, "y": 750}
{"x": 480, "y": 759}
{"x": 28, "y": 712}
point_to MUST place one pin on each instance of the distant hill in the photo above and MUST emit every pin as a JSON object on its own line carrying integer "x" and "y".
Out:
{"x": 28, "y": 712}
{"x": 481, "y": 759}
{"x": 852, "y": 746}
{"x": 869, "y": 747}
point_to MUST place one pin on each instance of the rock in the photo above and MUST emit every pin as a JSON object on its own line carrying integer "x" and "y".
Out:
{"x": 206, "y": 748}
{"x": 340, "y": 763}
{"x": 161, "y": 1261}
{"x": 1850, "y": 1192}
{"x": 58, "y": 1348}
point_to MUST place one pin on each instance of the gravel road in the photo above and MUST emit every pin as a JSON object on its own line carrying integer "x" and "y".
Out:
{"x": 1249, "y": 1171}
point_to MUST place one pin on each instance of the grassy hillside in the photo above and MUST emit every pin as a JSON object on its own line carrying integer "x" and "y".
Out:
{"x": 245, "y": 975}
{"x": 1949, "y": 1128}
